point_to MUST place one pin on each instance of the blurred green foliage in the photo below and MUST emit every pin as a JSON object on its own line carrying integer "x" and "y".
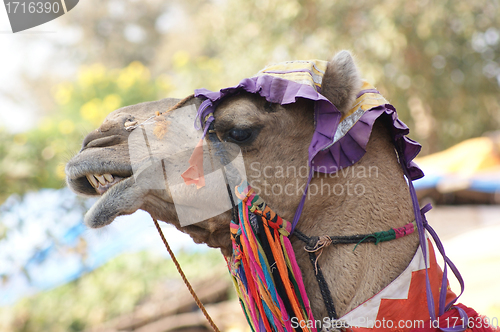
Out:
{"x": 36, "y": 159}
{"x": 438, "y": 62}
{"x": 114, "y": 289}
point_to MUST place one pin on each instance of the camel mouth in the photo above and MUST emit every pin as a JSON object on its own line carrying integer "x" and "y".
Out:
{"x": 90, "y": 176}
{"x": 110, "y": 181}
{"x": 95, "y": 184}
{"x": 114, "y": 196}
{"x": 101, "y": 183}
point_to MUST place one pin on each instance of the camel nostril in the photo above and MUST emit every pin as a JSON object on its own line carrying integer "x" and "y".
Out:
{"x": 90, "y": 137}
{"x": 100, "y": 142}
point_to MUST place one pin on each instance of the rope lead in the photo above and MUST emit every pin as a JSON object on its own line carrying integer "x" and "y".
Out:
{"x": 183, "y": 276}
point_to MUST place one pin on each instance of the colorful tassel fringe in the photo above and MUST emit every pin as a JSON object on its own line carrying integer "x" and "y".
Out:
{"x": 264, "y": 269}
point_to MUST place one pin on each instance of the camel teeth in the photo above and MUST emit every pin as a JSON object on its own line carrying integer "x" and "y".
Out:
{"x": 108, "y": 177}
{"x": 100, "y": 178}
{"x": 92, "y": 181}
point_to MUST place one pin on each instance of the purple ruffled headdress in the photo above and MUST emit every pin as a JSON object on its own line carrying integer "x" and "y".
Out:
{"x": 337, "y": 142}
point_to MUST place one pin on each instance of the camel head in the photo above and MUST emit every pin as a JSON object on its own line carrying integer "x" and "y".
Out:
{"x": 151, "y": 156}
{"x": 269, "y": 136}
{"x": 136, "y": 159}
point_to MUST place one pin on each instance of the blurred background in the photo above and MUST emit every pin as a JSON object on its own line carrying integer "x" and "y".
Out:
{"x": 438, "y": 62}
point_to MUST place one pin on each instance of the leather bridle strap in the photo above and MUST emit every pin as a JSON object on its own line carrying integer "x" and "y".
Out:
{"x": 219, "y": 152}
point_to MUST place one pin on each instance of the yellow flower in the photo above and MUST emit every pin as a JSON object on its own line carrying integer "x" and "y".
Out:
{"x": 90, "y": 110}
{"x": 88, "y": 76}
{"x": 138, "y": 70}
{"x": 125, "y": 80}
{"x": 111, "y": 102}
{"x": 180, "y": 59}
{"x": 60, "y": 173}
{"x": 134, "y": 72}
{"x": 63, "y": 94}
{"x": 66, "y": 127}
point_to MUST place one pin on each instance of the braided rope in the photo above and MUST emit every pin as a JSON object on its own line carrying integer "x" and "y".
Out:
{"x": 183, "y": 276}
{"x": 318, "y": 243}
{"x": 323, "y": 287}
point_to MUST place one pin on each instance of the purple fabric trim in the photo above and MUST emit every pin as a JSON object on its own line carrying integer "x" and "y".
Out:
{"x": 200, "y": 114}
{"x": 207, "y": 125}
{"x": 362, "y": 92}
{"x": 351, "y": 148}
{"x": 287, "y": 71}
{"x": 298, "y": 212}
{"x": 347, "y": 151}
{"x": 463, "y": 318}
{"x": 453, "y": 268}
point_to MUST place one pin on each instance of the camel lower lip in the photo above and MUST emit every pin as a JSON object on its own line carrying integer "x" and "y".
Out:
{"x": 112, "y": 203}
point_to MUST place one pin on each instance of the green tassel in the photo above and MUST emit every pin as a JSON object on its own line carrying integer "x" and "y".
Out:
{"x": 384, "y": 236}
{"x": 379, "y": 237}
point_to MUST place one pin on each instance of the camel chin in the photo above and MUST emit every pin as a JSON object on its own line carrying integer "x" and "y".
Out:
{"x": 91, "y": 174}
{"x": 122, "y": 198}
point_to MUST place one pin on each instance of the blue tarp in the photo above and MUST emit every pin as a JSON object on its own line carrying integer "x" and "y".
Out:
{"x": 46, "y": 244}
{"x": 483, "y": 184}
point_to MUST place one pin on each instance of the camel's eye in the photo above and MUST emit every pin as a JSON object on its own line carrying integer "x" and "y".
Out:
{"x": 239, "y": 135}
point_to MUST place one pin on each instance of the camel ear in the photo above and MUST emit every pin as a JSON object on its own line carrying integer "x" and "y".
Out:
{"x": 341, "y": 81}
